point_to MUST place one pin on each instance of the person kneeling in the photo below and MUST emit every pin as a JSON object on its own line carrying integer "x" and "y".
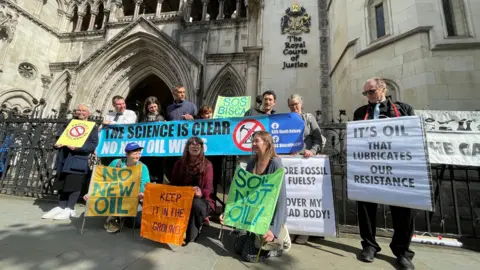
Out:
{"x": 249, "y": 245}
{"x": 133, "y": 154}
{"x": 194, "y": 170}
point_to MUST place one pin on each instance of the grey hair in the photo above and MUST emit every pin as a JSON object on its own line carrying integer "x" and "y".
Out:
{"x": 296, "y": 97}
{"x": 89, "y": 108}
{"x": 378, "y": 81}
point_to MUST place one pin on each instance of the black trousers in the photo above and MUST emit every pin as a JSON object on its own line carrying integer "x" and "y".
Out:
{"x": 197, "y": 215}
{"x": 402, "y": 225}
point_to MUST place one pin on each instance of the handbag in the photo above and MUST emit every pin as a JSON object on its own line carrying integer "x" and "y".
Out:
{"x": 76, "y": 164}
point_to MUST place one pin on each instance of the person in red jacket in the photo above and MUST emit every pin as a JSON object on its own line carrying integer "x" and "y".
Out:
{"x": 194, "y": 170}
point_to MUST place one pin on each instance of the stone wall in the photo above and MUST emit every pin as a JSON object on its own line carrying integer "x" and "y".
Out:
{"x": 428, "y": 69}
{"x": 302, "y": 80}
{"x": 34, "y": 45}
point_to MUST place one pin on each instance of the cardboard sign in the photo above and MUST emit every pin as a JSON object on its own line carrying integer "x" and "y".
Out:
{"x": 387, "y": 163}
{"x": 309, "y": 196}
{"x": 231, "y": 106}
{"x": 252, "y": 200}
{"x": 165, "y": 214}
{"x": 114, "y": 191}
{"x": 76, "y": 133}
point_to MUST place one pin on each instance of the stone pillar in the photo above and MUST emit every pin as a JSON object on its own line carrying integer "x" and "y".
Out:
{"x": 114, "y": 12}
{"x": 238, "y": 9}
{"x": 221, "y": 15}
{"x": 38, "y": 7}
{"x": 159, "y": 8}
{"x": 137, "y": 8}
{"x": 79, "y": 21}
{"x": 10, "y": 25}
{"x": 260, "y": 21}
{"x": 105, "y": 18}
{"x": 188, "y": 10}
{"x": 252, "y": 54}
{"x": 93, "y": 17}
{"x": 204, "y": 9}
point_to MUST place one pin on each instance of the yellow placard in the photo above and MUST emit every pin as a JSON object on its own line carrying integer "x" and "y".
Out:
{"x": 165, "y": 213}
{"x": 114, "y": 191}
{"x": 76, "y": 133}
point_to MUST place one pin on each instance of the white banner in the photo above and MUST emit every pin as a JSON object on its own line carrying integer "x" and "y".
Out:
{"x": 309, "y": 196}
{"x": 387, "y": 163}
{"x": 453, "y": 136}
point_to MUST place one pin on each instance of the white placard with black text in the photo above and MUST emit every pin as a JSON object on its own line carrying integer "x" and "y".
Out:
{"x": 387, "y": 163}
{"x": 453, "y": 137}
{"x": 309, "y": 196}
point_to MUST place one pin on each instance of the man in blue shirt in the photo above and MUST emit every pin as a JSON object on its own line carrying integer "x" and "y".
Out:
{"x": 181, "y": 109}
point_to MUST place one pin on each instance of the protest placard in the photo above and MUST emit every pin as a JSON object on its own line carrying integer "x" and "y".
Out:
{"x": 76, "y": 133}
{"x": 165, "y": 213}
{"x": 309, "y": 196}
{"x": 114, "y": 191}
{"x": 169, "y": 138}
{"x": 227, "y": 107}
{"x": 453, "y": 137}
{"x": 387, "y": 163}
{"x": 252, "y": 199}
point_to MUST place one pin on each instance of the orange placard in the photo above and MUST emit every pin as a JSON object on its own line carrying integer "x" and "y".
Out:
{"x": 165, "y": 213}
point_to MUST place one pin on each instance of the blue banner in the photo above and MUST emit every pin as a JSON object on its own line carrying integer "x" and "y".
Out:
{"x": 228, "y": 136}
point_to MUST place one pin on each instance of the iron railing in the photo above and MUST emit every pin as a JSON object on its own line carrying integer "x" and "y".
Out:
{"x": 27, "y": 162}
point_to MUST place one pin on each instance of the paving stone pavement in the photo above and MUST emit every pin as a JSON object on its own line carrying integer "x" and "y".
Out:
{"x": 27, "y": 242}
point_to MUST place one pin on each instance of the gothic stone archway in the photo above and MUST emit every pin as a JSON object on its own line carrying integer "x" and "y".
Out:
{"x": 137, "y": 52}
{"x": 152, "y": 85}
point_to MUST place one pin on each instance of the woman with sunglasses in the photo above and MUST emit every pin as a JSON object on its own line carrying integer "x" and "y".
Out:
{"x": 194, "y": 170}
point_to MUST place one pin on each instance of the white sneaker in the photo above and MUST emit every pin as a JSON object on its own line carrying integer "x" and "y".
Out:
{"x": 301, "y": 239}
{"x": 73, "y": 213}
{"x": 65, "y": 214}
{"x": 52, "y": 213}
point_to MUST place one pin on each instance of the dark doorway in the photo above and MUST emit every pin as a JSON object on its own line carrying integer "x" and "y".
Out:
{"x": 150, "y": 86}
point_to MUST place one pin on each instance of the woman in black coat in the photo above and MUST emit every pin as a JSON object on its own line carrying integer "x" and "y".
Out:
{"x": 72, "y": 171}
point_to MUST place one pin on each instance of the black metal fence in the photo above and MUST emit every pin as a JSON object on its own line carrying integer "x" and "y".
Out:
{"x": 27, "y": 161}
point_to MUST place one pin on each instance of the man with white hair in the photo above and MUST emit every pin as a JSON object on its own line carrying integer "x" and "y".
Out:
{"x": 379, "y": 106}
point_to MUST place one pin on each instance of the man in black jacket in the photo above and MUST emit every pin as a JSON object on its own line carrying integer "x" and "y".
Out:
{"x": 380, "y": 107}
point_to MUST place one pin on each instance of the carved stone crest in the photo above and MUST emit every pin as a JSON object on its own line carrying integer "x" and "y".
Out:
{"x": 295, "y": 20}
{"x": 8, "y": 23}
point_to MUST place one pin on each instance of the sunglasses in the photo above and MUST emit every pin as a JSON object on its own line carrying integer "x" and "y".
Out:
{"x": 196, "y": 142}
{"x": 369, "y": 92}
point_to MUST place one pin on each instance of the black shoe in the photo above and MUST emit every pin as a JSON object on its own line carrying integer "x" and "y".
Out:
{"x": 367, "y": 254}
{"x": 405, "y": 263}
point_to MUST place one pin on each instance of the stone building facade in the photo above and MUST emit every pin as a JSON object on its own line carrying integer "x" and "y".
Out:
{"x": 57, "y": 53}
{"x": 63, "y": 52}
{"x": 429, "y": 51}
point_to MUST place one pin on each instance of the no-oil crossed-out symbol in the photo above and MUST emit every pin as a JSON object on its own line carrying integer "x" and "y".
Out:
{"x": 242, "y": 134}
{"x": 77, "y": 131}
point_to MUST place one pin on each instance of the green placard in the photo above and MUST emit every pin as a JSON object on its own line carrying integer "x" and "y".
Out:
{"x": 252, "y": 200}
{"x": 231, "y": 106}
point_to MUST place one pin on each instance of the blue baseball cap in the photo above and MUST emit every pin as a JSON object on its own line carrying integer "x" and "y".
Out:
{"x": 132, "y": 147}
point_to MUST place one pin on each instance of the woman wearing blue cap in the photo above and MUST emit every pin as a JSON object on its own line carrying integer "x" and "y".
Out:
{"x": 133, "y": 154}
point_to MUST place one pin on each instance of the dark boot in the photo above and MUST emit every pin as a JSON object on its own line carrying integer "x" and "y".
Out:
{"x": 367, "y": 254}
{"x": 405, "y": 263}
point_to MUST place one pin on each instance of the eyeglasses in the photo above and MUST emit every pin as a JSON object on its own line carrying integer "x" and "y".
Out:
{"x": 369, "y": 92}
{"x": 196, "y": 142}
{"x": 291, "y": 105}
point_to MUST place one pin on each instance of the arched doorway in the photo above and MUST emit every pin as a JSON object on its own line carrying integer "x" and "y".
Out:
{"x": 150, "y": 86}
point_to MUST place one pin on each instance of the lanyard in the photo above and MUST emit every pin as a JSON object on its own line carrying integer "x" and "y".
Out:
{"x": 397, "y": 113}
